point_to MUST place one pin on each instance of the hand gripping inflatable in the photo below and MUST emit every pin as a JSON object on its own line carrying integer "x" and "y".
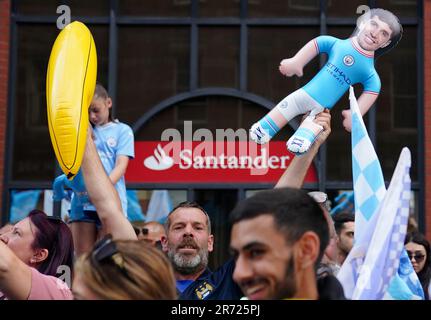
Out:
{"x": 70, "y": 83}
{"x": 78, "y": 187}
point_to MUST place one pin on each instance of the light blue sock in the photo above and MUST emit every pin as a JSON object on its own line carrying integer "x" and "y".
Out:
{"x": 269, "y": 125}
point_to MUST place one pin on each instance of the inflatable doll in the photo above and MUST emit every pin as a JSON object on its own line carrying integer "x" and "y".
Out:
{"x": 350, "y": 61}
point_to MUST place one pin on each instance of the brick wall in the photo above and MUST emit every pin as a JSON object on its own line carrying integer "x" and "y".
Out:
{"x": 427, "y": 106}
{"x": 4, "y": 73}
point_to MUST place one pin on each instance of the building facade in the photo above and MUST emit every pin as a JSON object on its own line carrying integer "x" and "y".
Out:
{"x": 214, "y": 63}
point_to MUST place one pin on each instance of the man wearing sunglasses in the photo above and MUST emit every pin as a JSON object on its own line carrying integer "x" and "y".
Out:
{"x": 151, "y": 232}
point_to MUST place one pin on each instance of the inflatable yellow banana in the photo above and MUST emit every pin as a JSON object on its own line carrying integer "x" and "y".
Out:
{"x": 70, "y": 83}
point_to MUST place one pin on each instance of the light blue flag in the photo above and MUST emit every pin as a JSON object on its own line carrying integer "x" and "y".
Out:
{"x": 134, "y": 209}
{"x": 368, "y": 182}
{"x": 22, "y": 203}
{"x": 372, "y": 269}
{"x": 159, "y": 207}
{"x": 405, "y": 285}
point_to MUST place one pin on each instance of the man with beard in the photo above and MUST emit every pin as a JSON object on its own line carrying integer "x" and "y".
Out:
{"x": 188, "y": 242}
{"x": 188, "y": 251}
{"x": 278, "y": 237}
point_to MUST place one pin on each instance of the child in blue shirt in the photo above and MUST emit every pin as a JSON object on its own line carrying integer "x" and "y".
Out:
{"x": 115, "y": 144}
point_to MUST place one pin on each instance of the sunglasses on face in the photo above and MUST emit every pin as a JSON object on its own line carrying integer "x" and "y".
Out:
{"x": 419, "y": 257}
{"x": 139, "y": 230}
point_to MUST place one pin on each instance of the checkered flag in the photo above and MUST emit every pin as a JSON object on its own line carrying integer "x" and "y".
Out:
{"x": 368, "y": 182}
{"x": 372, "y": 268}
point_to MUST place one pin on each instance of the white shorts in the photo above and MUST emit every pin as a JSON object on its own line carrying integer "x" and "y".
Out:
{"x": 298, "y": 102}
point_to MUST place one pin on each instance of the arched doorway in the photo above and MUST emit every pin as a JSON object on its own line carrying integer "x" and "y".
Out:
{"x": 211, "y": 110}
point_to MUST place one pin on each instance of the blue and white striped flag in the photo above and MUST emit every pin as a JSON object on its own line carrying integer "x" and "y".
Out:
{"x": 372, "y": 270}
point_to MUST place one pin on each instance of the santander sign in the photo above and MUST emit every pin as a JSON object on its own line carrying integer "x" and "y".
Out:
{"x": 210, "y": 162}
{"x": 159, "y": 161}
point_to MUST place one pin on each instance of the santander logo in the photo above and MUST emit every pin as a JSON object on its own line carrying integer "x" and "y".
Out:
{"x": 160, "y": 161}
{"x": 180, "y": 162}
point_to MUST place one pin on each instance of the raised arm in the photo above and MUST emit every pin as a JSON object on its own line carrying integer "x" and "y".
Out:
{"x": 365, "y": 101}
{"x": 104, "y": 196}
{"x": 15, "y": 275}
{"x": 295, "y": 65}
{"x": 295, "y": 173}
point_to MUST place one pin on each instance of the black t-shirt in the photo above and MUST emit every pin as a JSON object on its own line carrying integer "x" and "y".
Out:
{"x": 330, "y": 288}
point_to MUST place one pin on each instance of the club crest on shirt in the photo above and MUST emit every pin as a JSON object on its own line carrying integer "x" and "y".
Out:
{"x": 111, "y": 142}
{"x": 348, "y": 60}
{"x": 204, "y": 290}
{"x": 284, "y": 104}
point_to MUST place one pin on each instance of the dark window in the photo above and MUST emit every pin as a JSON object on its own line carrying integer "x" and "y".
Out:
{"x": 156, "y": 8}
{"x": 402, "y": 8}
{"x": 219, "y": 8}
{"x": 47, "y": 7}
{"x": 153, "y": 66}
{"x": 283, "y": 8}
{"x": 219, "y": 57}
{"x": 88, "y": 8}
{"x": 77, "y": 7}
{"x": 346, "y": 9}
